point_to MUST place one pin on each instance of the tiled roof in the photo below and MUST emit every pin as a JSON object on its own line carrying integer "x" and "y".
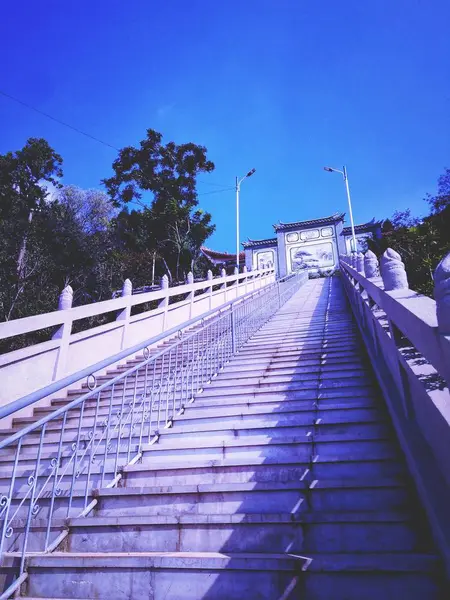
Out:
{"x": 364, "y": 228}
{"x": 311, "y": 223}
{"x": 260, "y": 243}
{"x": 215, "y": 255}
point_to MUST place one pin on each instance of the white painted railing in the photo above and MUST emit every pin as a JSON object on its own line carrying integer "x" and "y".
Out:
{"x": 407, "y": 337}
{"x": 28, "y": 369}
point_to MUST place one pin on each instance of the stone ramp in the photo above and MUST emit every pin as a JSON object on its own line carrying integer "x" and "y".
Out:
{"x": 283, "y": 480}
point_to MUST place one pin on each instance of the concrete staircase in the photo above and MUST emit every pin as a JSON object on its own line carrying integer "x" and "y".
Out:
{"x": 283, "y": 480}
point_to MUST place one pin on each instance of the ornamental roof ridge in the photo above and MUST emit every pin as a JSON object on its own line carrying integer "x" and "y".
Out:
{"x": 323, "y": 220}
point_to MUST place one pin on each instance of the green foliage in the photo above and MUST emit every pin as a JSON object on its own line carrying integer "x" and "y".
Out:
{"x": 172, "y": 225}
{"x": 420, "y": 242}
{"x": 89, "y": 239}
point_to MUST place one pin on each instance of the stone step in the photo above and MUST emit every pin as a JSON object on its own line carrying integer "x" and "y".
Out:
{"x": 254, "y": 395}
{"x": 192, "y": 450}
{"x": 309, "y": 532}
{"x": 281, "y": 428}
{"x": 255, "y": 497}
{"x": 196, "y": 412}
{"x": 292, "y": 359}
{"x": 273, "y": 426}
{"x": 260, "y": 469}
{"x": 348, "y": 383}
{"x": 235, "y": 371}
{"x": 295, "y": 448}
{"x": 303, "y": 411}
{"x": 229, "y": 576}
{"x": 281, "y": 356}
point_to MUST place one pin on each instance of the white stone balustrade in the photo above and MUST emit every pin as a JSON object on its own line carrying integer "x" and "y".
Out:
{"x": 411, "y": 359}
{"x": 28, "y": 369}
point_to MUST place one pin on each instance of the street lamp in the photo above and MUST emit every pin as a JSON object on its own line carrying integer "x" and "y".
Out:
{"x": 238, "y": 189}
{"x": 345, "y": 176}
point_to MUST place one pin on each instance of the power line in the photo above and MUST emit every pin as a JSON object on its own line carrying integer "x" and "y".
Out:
{"x": 41, "y": 112}
{"x": 216, "y": 191}
{"x": 96, "y": 139}
{"x": 211, "y": 183}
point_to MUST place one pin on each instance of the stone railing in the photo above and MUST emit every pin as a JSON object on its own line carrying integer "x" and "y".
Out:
{"x": 407, "y": 337}
{"x": 34, "y": 367}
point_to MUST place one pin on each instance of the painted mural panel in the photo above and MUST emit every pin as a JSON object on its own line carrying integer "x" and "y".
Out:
{"x": 310, "y": 234}
{"x": 264, "y": 259}
{"x": 315, "y": 256}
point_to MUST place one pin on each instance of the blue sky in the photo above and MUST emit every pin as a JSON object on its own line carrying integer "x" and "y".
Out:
{"x": 285, "y": 86}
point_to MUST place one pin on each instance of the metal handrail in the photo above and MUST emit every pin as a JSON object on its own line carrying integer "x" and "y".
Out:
{"x": 110, "y": 425}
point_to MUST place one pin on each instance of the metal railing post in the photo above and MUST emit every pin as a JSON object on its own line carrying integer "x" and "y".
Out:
{"x": 233, "y": 330}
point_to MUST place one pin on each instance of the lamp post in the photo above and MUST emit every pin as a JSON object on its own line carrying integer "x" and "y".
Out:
{"x": 345, "y": 176}
{"x": 238, "y": 189}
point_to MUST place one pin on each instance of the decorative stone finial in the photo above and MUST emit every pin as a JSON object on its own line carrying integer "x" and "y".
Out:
{"x": 360, "y": 263}
{"x": 223, "y": 273}
{"x": 190, "y": 277}
{"x": 209, "y": 275}
{"x": 65, "y": 298}
{"x": 371, "y": 264}
{"x": 393, "y": 271}
{"x": 442, "y": 294}
{"x": 244, "y": 269}
{"x": 127, "y": 288}
{"x": 164, "y": 282}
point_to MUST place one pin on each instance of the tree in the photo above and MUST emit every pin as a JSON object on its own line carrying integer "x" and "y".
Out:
{"x": 23, "y": 193}
{"x": 441, "y": 201}
{"x": 166, "y": 175}
{"x": 92, "y": 209}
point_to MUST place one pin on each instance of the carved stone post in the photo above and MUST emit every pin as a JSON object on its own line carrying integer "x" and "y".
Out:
{"x": 442, "y": 294}
{"x": 393, "y": 271}
{"x": 124, "y": 314}
{"x": 65, "y": 298}
{"x": 164, "y": 282}
{"x": 164, "y": 302}
{"x": 360, "y": 263}
{"x": 190, "y": 281}
{"x": 64, "y": 303}
{"x": 371, "y": 264}
{"x": 63, "y": 333}
{"x": 244, "y": 270}
{"x": 353, "y": 260}
{"x": 127, "y": 288}
{"x": 209, "y": 277}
